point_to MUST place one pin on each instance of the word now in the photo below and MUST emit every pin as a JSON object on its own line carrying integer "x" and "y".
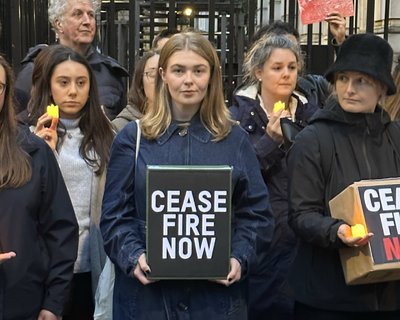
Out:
{"x": 183, "y": 247}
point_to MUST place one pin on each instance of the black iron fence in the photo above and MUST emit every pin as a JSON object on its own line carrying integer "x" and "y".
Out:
{"x": 127, "y": 28}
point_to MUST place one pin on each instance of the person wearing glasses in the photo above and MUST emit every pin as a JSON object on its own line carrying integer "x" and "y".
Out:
{"x": 141, "y": 92}
{"x": 39, "y": 231}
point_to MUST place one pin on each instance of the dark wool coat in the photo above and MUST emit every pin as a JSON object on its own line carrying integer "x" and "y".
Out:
{"x": 37, "y": 222}
{"x": 357, "y": 146}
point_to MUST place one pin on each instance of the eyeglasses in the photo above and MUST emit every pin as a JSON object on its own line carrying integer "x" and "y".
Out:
{"x": 151, "y": 74}
{"x": 2, "y": 88}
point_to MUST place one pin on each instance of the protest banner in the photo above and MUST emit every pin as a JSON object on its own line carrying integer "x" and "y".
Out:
{"x": 312, "y": 11}
{"x": 188, "y": 221}
{"x": 375, "y": 204}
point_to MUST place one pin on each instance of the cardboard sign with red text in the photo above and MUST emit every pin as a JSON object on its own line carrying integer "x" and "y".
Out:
{"x": 312, "y": 11}
{"x": 376, "y": 205}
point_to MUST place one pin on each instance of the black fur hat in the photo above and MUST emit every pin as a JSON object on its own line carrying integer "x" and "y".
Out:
{"x": 366, "y": 53}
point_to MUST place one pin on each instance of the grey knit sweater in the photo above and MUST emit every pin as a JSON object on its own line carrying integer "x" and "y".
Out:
{"x": 78, "y": 176}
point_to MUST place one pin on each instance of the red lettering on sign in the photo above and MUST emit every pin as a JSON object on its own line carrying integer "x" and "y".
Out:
{"x": 392, "y": 247}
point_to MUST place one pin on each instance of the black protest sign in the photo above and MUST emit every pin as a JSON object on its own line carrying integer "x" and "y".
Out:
{"x": 188, "y": 221}
{"x": 381, "y": 208}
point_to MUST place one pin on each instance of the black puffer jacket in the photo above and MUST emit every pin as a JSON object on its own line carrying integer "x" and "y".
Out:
{"x": 357, "y": 146}
{"x": 110, "y": 76}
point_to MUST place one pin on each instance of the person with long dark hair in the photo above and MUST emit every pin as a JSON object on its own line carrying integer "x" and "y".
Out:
{"x": 39, "y": 232}
{"x": 81, "y": 141}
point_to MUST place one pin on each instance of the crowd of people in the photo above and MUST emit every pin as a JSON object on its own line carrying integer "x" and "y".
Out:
{"x": 73, "y": 186}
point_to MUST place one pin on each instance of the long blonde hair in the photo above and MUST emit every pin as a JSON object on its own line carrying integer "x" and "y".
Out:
{"x": 213, "y": 111}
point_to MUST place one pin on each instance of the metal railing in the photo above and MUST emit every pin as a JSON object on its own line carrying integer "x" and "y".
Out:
{"x": 127, "y": 28}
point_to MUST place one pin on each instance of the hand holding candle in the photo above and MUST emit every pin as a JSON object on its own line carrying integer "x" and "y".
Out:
{"x": 358, "y": 230}
{"x": 354, "y": 236}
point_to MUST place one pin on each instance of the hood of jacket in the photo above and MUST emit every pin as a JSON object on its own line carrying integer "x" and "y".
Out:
{"x": 251, "y": 92}
{"x": 130, "y": 113}
{"x": 333, "y": 112}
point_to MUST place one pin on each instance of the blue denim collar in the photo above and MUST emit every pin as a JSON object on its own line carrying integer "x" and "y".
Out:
{"x": 196, "y": 129}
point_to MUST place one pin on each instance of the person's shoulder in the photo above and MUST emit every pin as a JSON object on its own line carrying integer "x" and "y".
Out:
{"x": 127, "y": 132}
{"x": 33, "y": 52}
{"x": 29, "y": 142}
{"x": 237, "y": 132}
{"x": 98, "y": 58}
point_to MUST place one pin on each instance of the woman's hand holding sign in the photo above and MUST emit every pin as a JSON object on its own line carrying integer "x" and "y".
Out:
{"x": 142, "y": 269}
{"x": 234, "y": 275}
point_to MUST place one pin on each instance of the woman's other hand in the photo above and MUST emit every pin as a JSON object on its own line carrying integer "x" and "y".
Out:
{"x": 7, "y": 256}
{"x": 48, "y": 134}
{"x": 337, "y": 26}
{"x": 142, "y": 269}
{"x": 234, "y": 274}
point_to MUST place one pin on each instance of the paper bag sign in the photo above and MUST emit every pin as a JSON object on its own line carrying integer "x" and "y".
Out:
{"x": 188, "y": 221}
{"x": 376, "y": 205}
{"x": 312, "y": 11}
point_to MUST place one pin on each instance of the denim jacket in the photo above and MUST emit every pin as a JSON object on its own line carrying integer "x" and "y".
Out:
{"x": 124, "y": 215}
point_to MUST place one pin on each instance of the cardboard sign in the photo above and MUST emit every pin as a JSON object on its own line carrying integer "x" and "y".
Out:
{"x": 188, "y": 221}
{"x": 376, "y": 205}
{"x": 312, "y": 11}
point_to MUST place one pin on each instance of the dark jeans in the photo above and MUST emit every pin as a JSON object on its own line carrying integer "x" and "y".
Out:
{"x": 304, "y": 312}
{"x": 80, "y": 305}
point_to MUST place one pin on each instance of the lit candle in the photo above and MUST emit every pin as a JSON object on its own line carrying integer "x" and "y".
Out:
{"x": 52, "y": 110}
{"x": 278, "y": 106}
{"x": 358, "y": 230}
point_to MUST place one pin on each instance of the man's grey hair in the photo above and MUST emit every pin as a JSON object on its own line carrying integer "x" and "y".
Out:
{"x": 57, "y": 9}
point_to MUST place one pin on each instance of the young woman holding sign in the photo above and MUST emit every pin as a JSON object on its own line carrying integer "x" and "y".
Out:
{"x": 189, "y": 124}
{"x": 351, "y": 139}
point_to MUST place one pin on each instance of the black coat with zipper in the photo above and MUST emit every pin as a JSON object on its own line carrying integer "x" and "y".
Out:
{"x": 358, "y": 146}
